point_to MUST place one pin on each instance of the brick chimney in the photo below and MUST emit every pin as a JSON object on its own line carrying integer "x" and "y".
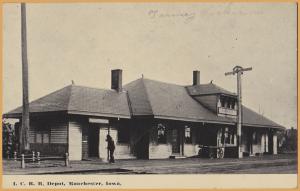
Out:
{"x": 196, "y": 77}
{"x": 116, "y": 80}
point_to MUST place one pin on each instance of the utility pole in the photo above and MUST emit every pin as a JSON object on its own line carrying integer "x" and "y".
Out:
{"x": 239, "y": 71}
{"x": 24, "y": 144}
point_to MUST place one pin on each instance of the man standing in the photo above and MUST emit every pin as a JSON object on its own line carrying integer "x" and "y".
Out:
{"x": 111, "y": 148}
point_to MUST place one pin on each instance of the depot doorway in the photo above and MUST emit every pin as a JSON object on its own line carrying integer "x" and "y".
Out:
{"x": 93, "y": 141}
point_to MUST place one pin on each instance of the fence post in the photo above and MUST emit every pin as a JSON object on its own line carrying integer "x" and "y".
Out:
{"x": 15, "y": 156}
{"x": 22, "y": 161}
{"x": 67, "y": 159}
{"x": 33, "y": 156}
{"x": 38, "y": 157}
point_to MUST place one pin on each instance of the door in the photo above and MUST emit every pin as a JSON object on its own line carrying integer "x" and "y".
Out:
{"x": 270, "y": 142}
{"x": 142, "y": 147}
{"x": 85, "y": 146}
{"x": 175, "y": 141}
{"x": 250, "y": 142}
{"x": 93, "y": 141}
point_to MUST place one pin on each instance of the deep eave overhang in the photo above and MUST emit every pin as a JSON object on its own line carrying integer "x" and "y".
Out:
{"x": 19, "y": 115}
{"x": 109, "y": 115}
{"x": 99, "y": 114}
{"x": 193, "y": 120}
{"x": 217, "y": 122}
{"x": 263, "y": 126}
{"x": 209, "y": 94}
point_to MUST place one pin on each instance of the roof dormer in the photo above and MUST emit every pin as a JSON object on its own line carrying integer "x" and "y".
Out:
{"x": 227, "y": 106}
{"x": 213, "y": 97}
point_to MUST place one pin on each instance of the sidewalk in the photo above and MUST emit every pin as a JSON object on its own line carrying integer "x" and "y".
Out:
{"x": 283, "y": 163}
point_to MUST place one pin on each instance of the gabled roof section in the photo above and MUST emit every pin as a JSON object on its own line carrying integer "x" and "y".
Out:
{"x": 138, "y": 98}
{"x": 207, "y": 89}
{"x": 75, "y": 99}
{"x": 170, "y": 101}
{"x": 167, "y": 101}
{"x": 101, "y": 102}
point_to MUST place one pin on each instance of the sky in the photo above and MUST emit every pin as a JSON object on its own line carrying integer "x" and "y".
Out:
{"x": 161, "y": 41}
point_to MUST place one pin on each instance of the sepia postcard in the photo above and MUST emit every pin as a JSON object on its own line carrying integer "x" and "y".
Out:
{"x": 163, "y": 95}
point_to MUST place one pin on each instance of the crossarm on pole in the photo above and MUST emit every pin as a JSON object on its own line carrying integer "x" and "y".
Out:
{"x": 229, "y": 73}
{"x": 247, "y": 69}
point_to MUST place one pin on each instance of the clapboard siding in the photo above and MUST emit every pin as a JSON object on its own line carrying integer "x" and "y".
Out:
{"x": 34, "y": 124}
{"x": 75, "y": 140}
{"x": 56, "y": 127}
{"x": 31, "y": 135}
{"x": 59, "y": 133}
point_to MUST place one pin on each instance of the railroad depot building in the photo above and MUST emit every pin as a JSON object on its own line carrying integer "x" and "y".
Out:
{"x": 147, "y": 119}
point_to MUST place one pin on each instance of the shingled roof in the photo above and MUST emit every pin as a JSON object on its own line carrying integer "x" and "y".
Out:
{"x": 170, "y": 101}
{"x": 207, "y": 89}
{"x": 75, "y": 99}
{"x": 251, "y": 118}
{"x": 167, "y": 101}
{"x": 142, "y": 97}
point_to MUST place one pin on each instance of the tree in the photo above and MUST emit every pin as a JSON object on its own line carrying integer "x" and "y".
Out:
{"x": 8, "y": 139}
{"x": 288, "y": 140}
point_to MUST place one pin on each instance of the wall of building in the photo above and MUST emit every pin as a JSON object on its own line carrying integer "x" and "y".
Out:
{"x": 79, "y": 139}
{"x": 204, "y": 134}
{"x": 256, "y": 147}
{"x": 263, "y": 141}
{"x": 122, "y": 151}
{"x": 102, "y": 142}
{"x": 49, "y": 135}
{"x": 191, "y": 149}
{"x": 164, "y": 150}
{"x": 140, "y": 130}
{"x": 160, "y": 150}
{"x": 75, "y": 139}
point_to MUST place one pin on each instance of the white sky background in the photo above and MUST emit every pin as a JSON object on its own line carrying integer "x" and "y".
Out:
{"x": 83, "y": 42}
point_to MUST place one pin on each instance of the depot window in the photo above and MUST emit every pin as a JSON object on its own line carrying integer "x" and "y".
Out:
{"x": 161, "y": 134}
{"x": 229, "y": 136}
{"x": 187, "y": 134}
{"x": 255, "y": 138}
{"x": 123, "y": 135}
{"x": 42, "y": 137}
